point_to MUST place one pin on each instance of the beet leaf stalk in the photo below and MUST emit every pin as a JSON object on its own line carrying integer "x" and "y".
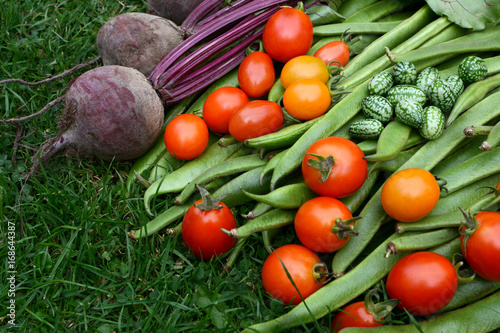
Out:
{"x": 173, "y": 76}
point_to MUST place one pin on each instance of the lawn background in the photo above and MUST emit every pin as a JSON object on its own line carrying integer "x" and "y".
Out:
{"x": 76, "y": 268}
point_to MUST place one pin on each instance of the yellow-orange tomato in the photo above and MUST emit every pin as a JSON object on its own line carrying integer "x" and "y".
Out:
{"x": 306, "y": 99}
{"x": 410, "y": 194}
{"x": 304, "y": 67}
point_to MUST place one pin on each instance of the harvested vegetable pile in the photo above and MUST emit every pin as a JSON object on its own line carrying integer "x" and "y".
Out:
{"x": 319, "y": 166}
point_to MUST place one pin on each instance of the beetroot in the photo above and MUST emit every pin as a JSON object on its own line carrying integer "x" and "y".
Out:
{"x": 176, "y": 11}
{"x": 111, "y": 112}
{"x": 137, "y": 40}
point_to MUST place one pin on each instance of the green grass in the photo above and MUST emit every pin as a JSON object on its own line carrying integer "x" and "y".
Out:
{"x": 77, "y": 270}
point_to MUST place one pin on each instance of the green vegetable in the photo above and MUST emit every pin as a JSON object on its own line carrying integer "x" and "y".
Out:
{"x": 377, "y": 107}
{"x": 441, "y": 95}
{"x": 467, "y": 13}
{"x": 391, "y": 141}
{"x": 380, "y": 83}
{"x": 426, "y": 79}
{"x": 366, "y": 129}
{"x": 406, "y": 92}
{"x": 275, "y": 218}
{"x": 456, "y": 85}
{"x": 404, "y": 72}
{"x": 410, "y": 112}
{"x": 432, "y": 123}
{"x": 286, "y": 197}
{"x": 421, "y": 241}
{"x": 472, "y": 69}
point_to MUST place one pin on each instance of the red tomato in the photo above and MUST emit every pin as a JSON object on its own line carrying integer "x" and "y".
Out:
{"x": 256, "y": 74}
{"x": 220, "y": 105}
{"x": 201, "y": 230}
{"x": 410, "y": 194}
{"x": 306, "y": 99}
{"x": 348, "y": 173}
{"x": 334, "y": 51}
{"x": 254, "y": 119}
{"x": 353, "y": 315}
{"x": 287, "y": 34}
{"x": 299, "y": 261}
{"x": 425, "y": 282}
{"x": 314, "y": 221}
{"x": 483, "y": 246}
{"x": 304, "y": 67}
{"x": 186, "y": 136}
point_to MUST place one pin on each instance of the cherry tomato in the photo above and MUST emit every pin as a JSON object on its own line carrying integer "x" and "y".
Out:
{"x": 186, "y": 136}
{"x": 347, "y": 174}
{"x": 483, "y": 246}
{"x": 220, "y": 105}
{"x": 304, "y": 67}
{"x": 256, "y": 74}
{"x": 353, "y": 315}
{"x": 287, "y": 34}
{"x": 254, "y": 119}
{"x": 201, "y": 230}
{"x": 425, "y": 282}
{"x": 314, "y": 221}
{"x": 410, "y": 194}
{"x": 306, "y": 99}
{"x": 334, "y": 51}
{"x": 300, "y": 262}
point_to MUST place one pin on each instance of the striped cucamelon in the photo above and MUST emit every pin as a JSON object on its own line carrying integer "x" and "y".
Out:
{"x": 366, "y": 129}
{"x": 410, "y": 112}
{"x": 441, "y": 95}
{"x": 406, "y": 92}
{"x": 426, "y": 78}
{"x": 433, "y": 123}
{"x": 404, "y": 72}
{"x": 377, "y": 107}
{"x": 380, "y": 83}
{"x": 456, "y": 85}
{"x": 472, "y": 69}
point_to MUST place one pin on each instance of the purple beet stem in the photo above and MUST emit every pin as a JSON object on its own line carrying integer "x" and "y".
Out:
{"x": 168, "y": 68}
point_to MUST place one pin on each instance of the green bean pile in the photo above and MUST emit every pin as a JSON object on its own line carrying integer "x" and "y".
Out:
{"x": 263, "y": 170}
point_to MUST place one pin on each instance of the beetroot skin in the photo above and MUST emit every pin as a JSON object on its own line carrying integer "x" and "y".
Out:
{"x": 176, "y": 11}
{"x": 111, "y": 112}
{"x": 137, "y": 40}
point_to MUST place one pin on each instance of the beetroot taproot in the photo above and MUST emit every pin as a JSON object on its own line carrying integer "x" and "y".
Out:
{"x": 111, "y": 112}
{"x": 137, "y": 40}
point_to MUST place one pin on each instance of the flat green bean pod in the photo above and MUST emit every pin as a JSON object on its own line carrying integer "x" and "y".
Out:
{"x": 355, "y": 200}
{"x": 377, "y": 10}
{"x": 227, "y": 167}
{"x": 470, "y": 292}
{"x": 422, "y": 241}
{"x": 493, "y": 138}
{"x": 395, "y": 163}
{"x": 273, "y": 219}
{"x": 391, "y": 141}
{"x": 259, "y": 209}
{"x": 285, "y": 197}
{"x": 276, "y": 92}
{"x": 355, "y": 28}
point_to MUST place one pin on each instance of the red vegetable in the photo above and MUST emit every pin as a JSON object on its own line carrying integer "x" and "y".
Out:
{"x": 186, "y": 137}
{"x": 254, "y": 119}
{"x": 256, "y": 74}
{"x": 300, "y": 263}
{"x": 334, "y": 167}
{"x": 335, "y": 53}
{"x": 353, "y": 315}
{"x": 481, "y": 244}
{"x": 425, "y": 282}
{"x": 287, "y": 34}
{"x": 314, "y": 222}
{"x": 201, "y": 227}
{"x": 220, "y": 106}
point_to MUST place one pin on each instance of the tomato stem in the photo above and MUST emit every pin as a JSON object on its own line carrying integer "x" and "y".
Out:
{"x": 462, "y": 279}
{"x": 207, "y": 202}
{"x": 381, "y": 311}
{"x": 323, "y": 164}
{"x": 469, "y": 226}
{"x": 344, "y": 229}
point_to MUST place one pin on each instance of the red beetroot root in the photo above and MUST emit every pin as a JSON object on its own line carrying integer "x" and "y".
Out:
{"x": 176, "y": 11}
{"x": 137, "y": 40}
{"x": 111, "y": 112}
